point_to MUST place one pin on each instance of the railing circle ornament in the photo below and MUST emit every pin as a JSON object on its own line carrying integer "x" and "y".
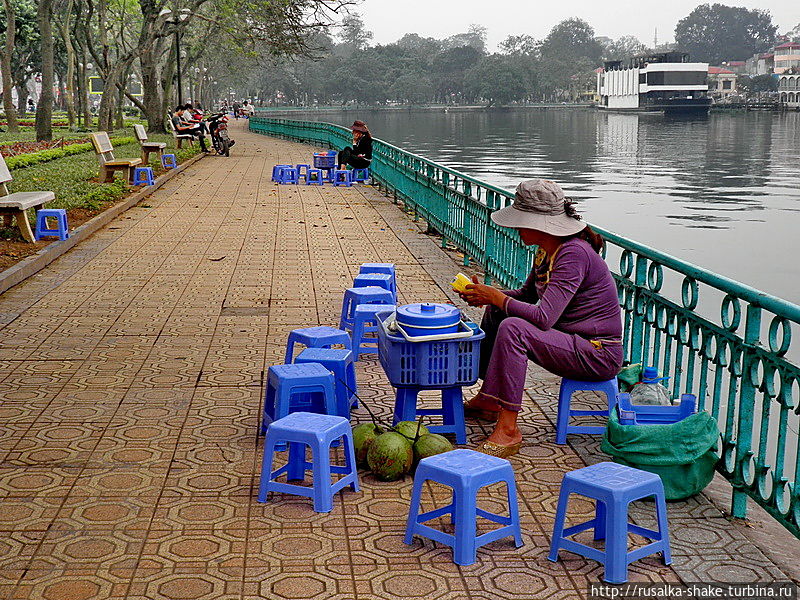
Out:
{"x": 655, "y": 277}
{"x": 626, "y": 264}
{"x": 731, "y": 313}
{"x": 786, "y": 335}
{"x": 690, "y": 293}
{"x": 781, "y": 494}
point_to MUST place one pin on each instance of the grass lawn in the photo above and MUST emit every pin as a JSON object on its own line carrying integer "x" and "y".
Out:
{"x": 74, "y": 180}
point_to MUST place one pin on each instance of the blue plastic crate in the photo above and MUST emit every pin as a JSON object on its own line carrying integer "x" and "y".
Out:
{"x": 324, "y": 160}
{"x": 436, "y": 364}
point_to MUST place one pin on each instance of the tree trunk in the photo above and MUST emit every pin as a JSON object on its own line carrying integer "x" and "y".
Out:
{"x": 44, "y": 110}
{"x": 22, "y": 99}
{"x": 66, "y": 36}
{"x": 5, "y": 67}
{"x": 120, "y": 122}
{"x": 152, "y": 97}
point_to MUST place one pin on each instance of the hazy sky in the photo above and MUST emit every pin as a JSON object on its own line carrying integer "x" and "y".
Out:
{"x": 390, "y": 19}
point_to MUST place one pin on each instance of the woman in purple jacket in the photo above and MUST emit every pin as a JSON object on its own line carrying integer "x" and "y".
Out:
{"x": 565, "y": 318}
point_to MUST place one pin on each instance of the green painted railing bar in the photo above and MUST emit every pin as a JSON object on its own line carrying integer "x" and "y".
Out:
{"x": 712, "y": 336}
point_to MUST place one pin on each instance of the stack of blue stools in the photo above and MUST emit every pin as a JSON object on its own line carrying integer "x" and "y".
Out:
{"x": 372, "y": 292}
{"x": 322, "y": 169}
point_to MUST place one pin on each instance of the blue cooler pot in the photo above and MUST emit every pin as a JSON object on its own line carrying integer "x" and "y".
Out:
{"x": 423, "y": 319}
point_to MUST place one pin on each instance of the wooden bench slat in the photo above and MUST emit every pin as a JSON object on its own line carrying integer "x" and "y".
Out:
{"x": 123, "y": 162}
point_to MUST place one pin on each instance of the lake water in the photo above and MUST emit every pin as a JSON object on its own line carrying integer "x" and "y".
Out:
{"x": 722, "y": 192}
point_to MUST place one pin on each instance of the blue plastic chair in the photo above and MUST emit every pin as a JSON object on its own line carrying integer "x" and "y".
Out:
{"x": 569, "y": 387}
{"x": 465, "y": 471}
{"x": 316, "y": 337}
{"x": 642, "y": 414}
{"x": 386, "y": 268}
{"x": 340, "y": 363}
{"x": 292, "y": 388}
{"x": 365, "y": 320}
{"x": 143, "y": 175}
{"x": 288, "y": 175}
{"x": 276, "y": 171}
{"x": 169, "y": 161}
{"x": 452, "y": 411}
{"x": 342, "y": 177}
{"x": 315, "y": 177}
{"x": 359, "y": 175}
{"x": 613, "y": 487}
{"x": 319, "y": 432}
{"x": 356, "y": 297}
{"x": 60, "y": 215}
{"x": 302, "y": 171}
{"x": 383, "y": 280}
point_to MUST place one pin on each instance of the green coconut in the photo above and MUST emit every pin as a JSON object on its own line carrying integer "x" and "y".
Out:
{"x": 409, "y": 429}
{"x": 430, "y": 444}
{"x": 363, "y": 436}
{"x": 390, "y": 456}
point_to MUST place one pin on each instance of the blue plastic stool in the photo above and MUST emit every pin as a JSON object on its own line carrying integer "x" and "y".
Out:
{"x": 466, "y": 471}
{"x": 570, "y": 386}
{"x": 340, "y": 363}
{"x": 613, "y": 486}
{"x": 357, "y": 296}
{"x": 378, "y": 280}
{"x": 316, "y": 337}
{"x": 315, "y": 177}
{"x": 276, "y": 171}
{"x": 642, "y": 414}
{"x": 168, "y": 161}
{"x": 365, "y": 321}
{"x": 386, "y": 268}
{"x": 452, "y": 411}
{"x": 60, "y": 215}
{"x": 302, "y": 171}
{"x": 359, "y": 175}
{"x": 143, "y": 175}
{"x": 301, "y": 429}
{"x": 342, "y": 177}
{"x": 288, "y": 175}
{"x": 293, "y": 388}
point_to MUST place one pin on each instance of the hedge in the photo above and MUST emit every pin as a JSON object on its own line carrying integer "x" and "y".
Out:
{"x": 35, "y": 158}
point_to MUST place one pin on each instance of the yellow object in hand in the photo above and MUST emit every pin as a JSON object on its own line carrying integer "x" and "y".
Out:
{"x": 460, "y": 282}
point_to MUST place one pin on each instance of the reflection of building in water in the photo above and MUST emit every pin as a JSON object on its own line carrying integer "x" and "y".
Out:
{"x": 618, "y": 137}
{"x": 664, "y": 81}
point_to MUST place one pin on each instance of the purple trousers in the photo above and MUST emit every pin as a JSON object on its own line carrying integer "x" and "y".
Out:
{"x": 510, "y": 342}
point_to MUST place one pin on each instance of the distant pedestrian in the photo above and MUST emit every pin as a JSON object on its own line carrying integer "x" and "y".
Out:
{"x": 236, "y": 108}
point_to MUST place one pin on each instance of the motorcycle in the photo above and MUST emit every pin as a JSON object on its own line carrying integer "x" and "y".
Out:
{"x": 218, "y": 129}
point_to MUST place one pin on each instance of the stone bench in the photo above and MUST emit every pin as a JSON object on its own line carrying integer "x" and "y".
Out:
{"x": 13, "y": 206}
{"x": 179, "y": 137}
{"x": 109, "y": 164}
{"x": 148, "y": 147}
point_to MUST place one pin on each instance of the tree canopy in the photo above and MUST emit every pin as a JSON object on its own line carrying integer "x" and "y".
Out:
{"x": 715, "y": 33}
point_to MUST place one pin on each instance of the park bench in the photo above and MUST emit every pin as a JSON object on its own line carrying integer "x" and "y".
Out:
{"x": 109, "y": 164}
{"x": 147, "y": 146}
{"x": 179, "y": 137}
{"x": 14, "y": 205}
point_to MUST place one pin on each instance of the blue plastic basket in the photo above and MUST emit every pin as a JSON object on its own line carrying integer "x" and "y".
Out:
{"x": 433, "y": 364}
{"x": 324, "y": 160}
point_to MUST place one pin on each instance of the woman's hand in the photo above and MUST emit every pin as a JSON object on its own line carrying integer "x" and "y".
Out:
{"x": 478, "y": 294}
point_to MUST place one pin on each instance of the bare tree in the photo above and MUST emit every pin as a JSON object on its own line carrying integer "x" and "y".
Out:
{"x": 44, "y": 108}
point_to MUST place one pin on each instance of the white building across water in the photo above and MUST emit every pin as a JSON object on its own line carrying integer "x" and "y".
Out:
{"x": 664, "y": 81}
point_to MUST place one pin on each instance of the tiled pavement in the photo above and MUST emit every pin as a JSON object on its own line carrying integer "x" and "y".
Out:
{"x": 130, "y": 383}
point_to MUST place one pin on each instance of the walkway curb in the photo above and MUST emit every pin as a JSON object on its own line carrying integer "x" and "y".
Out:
{"x": 36, "y": 262}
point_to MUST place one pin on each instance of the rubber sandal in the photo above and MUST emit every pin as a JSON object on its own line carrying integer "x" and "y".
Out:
{"x": 499, "y": 450}
{"x": 480, "y": 413}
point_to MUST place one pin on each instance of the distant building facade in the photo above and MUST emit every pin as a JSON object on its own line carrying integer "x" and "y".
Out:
{"x": 721, "y": 83}
{"x": 789, "y": 87}
{"x": 787, "y": 56}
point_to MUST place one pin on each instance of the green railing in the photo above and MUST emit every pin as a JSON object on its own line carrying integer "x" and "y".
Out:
{"x": 728, "y": 343}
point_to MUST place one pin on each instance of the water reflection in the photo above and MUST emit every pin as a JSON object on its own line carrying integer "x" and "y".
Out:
{"x": 722, "y": 192}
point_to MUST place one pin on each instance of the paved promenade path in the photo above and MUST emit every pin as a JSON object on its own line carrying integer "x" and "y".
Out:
{"x": 131, "y": 375}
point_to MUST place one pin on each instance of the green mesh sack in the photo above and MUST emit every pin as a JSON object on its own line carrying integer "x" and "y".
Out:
{"x": 629, "y": 376}
{"x": 683, "y": 454}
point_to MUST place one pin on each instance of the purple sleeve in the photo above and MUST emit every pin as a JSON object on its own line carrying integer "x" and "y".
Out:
{"x": 568, "y": 272}
{"x": 528, "y": 289}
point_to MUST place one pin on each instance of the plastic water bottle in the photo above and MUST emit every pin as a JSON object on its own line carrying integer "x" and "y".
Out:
{"x": 650, "y": 391}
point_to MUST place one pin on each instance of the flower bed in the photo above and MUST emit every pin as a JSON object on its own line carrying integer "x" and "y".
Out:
{"x": 34, "y": 158}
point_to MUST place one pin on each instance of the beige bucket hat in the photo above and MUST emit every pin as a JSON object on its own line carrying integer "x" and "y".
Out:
{"x": 542, "y": 205}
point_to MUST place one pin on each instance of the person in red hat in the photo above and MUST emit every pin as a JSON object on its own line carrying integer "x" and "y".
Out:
{"x": 359, "y": 155}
